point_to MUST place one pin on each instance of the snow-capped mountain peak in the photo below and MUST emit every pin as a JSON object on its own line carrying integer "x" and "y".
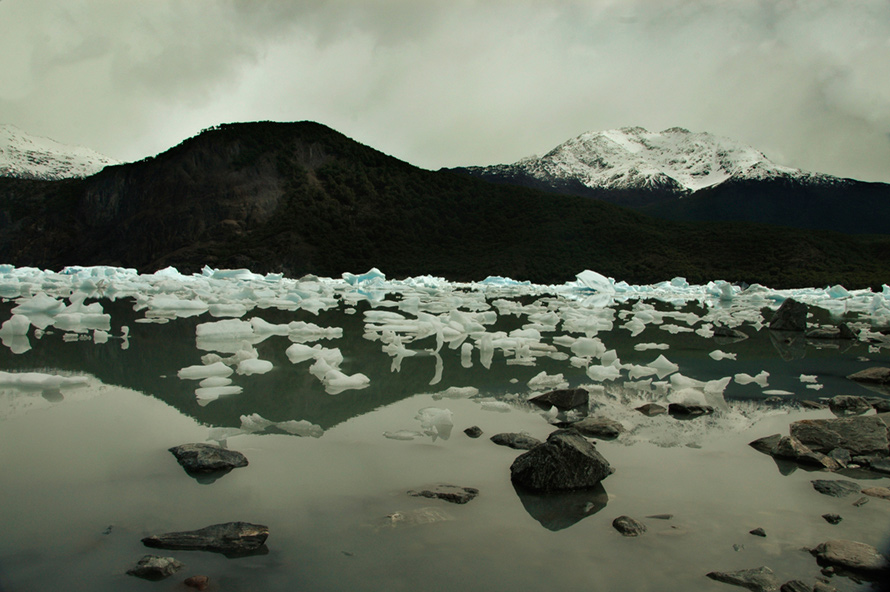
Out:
{"x": 634, "y": 158}
{"x": 33, "y": 157}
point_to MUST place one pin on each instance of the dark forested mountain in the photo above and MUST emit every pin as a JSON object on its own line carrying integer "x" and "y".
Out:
{"x": 301, "y": 198}
{"x": 680, "y": 175}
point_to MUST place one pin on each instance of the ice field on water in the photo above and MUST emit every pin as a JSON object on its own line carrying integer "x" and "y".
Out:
{"x": 345, "y": 393}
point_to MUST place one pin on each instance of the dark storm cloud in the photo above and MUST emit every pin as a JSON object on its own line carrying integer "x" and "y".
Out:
{"x": 459, "y": 82}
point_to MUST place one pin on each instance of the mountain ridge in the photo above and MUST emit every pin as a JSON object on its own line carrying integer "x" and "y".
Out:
{"x": 300, "y": 198}
{"x": 26, "y": 156}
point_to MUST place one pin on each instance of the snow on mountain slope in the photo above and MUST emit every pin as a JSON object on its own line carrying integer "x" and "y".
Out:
{"x": 634, "y": 158}
{"x": 32, "y": 157}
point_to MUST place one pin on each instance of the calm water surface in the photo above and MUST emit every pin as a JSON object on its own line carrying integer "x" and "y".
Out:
{"x": 86, "y": 471}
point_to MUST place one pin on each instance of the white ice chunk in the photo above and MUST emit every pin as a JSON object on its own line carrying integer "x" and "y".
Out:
{"x": 602, "y": 373}
{"x": 204, "y": 371}
{"x": 436, "y": 422}
{"x": 721, "y": 355}
{"x": 595, "y": 281}
{"x": 457, "y": 392}
{"x": 254, "y": 366}
{"x": 336, "y": 382}
{"x": 647, "y": 346}
{"x": 663, "y": 366}
{"x": 499, "y": 406}
{"x": 300, "y": 428}
{"x": 39, "y": 381}
{"x": 587, "y": 347}
{"x": 17, "y": 324}
{"x": 299, "y": 352}
{"x": 402, "y": 435}
{"x": 808, "y": 378}
{"x": 544, "y": 381}
{"x": 255, "y": 423}
{"x": 207, "y": 394}
{"x": 211, "y": 381}
{"x": 760, "y": 379}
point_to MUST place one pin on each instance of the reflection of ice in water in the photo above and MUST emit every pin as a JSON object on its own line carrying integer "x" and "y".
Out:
{"x": 21, "y": 392}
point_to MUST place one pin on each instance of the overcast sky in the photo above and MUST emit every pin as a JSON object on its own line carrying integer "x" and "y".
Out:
{"x": 457, "y": 82}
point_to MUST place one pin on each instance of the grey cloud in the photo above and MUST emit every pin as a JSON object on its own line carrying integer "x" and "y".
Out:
{"x": 459, "y": 82}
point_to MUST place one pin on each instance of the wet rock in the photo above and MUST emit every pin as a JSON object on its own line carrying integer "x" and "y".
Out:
{"x": 808, "y": 404}
{"x": 566, "y": 461}
{"x": 880, "y": 465}
{"x": 851, "y": 555}
{"x": 875, "y": 375}
{"x": 841, "y": 455}
{"x": 202, "y": 458}
{"x": 832, "y": 518}
{"x": 153, "y": 567}
{"x": 651, "y": 409}
{"x": 791, "y": 316}
{"x": 628, "y": 527}
{"x": 661, "y": 516}
{"x": 473, "y": 432}
{"x": 880, "y": 405}
{"x": 448, "y": 493}
{"x": 197, "y": 582}
{"x": 859, "y": 435}
{"x": 766, "y": 444}
{"x": 563, "y": 399}
{"x": 230, "y": 538}
{"x": 860, "y": 502}
{"x": 795, "y": 586}
{"x": 758, "y": 532}
{"x": 836, "y": 488}
{"x": 760, "y": 579}
{"x": 880, "y": 492}
{"x": 598, "y": 427}
{"x": 790, "y": 448}
{"x": 679, "y": 409}
{"x": 823, "y": 587}
{"x": 848, "y": 405}
{"x": 515, "y": 440}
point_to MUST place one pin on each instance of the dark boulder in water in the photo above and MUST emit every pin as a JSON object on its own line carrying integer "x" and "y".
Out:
{"x": 565, "y": 461}
{"x": 230, "y": 538}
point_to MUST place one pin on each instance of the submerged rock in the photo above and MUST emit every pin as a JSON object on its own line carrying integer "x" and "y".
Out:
{"x": 230, "y": 538}
{"x": 832, "y": 518}
{"x": 760, "y": 579}
{"x": 651, "y": 409}
{"x": 795, "y": 586}
{"x": 876, "y": 375}
{"x": 880, "y": 492}
{"x": 153, "y": 567}
{"x": 473, "y": 432}
{"x": 679, "y": 409}
{"x": 598, "y": 427}
{"x": 416, "y": 517}
{"x": 836, "y": 488}
{"x": 724, "y": 334}
{"x": 628, "y": 526}
{"x": 851, "y": 555}
{"x": 848, "y": 405}
{"x": 563, "y": 399}
{"x": 515, "y": 440}
{"x": 448, "y": 493}
{"x": 565, "y": 461}
{"x": 207, "y": 458}
{"x": 791, "y": 316}
{"x": 197, "y": 582}
{"x": 758, "y": 532}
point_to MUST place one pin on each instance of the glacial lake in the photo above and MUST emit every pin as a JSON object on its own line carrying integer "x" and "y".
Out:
{"x": 373, "y": 402}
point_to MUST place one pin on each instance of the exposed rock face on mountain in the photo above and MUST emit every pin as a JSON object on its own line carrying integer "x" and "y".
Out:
{"x": 31, "y": 157}
{"x": 299, "y": 198}
{"x": 678, "y": 174}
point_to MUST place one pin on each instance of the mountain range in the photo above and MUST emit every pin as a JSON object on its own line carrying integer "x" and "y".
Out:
{"x": 302, "y": 198}
{"x": 25, "y": 156}
{"x": 681, "y": 175}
